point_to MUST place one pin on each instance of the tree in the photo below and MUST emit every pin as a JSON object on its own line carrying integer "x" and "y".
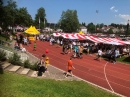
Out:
{"x": 69, "y": 21}
{"x": 23, "y": 17}
{"x": 91, "y": 27}
{"x": 2, "y": 11}
{"x": 40, "y": 18}
{"x": 9, "y": 14}
{"x": 110, "y": 30}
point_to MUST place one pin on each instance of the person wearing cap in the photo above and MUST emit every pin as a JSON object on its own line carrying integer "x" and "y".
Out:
{"x": 70, "y": 66}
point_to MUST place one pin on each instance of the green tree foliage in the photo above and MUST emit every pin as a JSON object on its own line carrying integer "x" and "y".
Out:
{"x": 2, "y": 11}
{"x": 13, "y": 16}
{"x": 83, "y": 24}
{"x": 91, "y": 27}
{"x": 69, "y": 21}
{"x": 27, "y": 64}
{"x": 9, "y": 13}
{"x": 15, "y": 59}
{"x": 40, "y": 15}
{"x": 23, "y": 17}
{"x": 110, "y": 30}
{"x": 101, "y": 25}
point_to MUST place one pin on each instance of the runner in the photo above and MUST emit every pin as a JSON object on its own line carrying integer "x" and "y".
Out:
{"x": 99, "y": 55}
{"x": 70, "y": 66}
{"x": 34, "y": 46}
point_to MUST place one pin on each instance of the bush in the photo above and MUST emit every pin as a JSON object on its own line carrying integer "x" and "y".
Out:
{"x": 2, "y": 55}
{"x": 34, "y": 66}
{"x": 15, "y": 59}
{"x": 27, "y": 64}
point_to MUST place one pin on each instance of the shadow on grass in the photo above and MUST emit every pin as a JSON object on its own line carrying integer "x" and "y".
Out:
{"x": 127, "y": 59}
{"x": 1, "y": 69}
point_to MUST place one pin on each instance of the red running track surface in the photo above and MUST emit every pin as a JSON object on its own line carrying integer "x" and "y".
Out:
{"x": 118, "y": 75}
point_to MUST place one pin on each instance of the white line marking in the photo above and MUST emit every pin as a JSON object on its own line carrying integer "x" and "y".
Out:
{"x": 88, "y": 81}
{"x": 106, "y": 77}
{"x": 92, "y": 83}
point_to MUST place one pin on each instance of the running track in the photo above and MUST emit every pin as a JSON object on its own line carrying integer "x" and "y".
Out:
{"x": 114, "y": 77}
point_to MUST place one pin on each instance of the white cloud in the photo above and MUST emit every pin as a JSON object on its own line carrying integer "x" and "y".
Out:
{"x": 124, "y": 23}
{"x": 112, "y": 7}
{"x": 126, "y": 17}
{"x": 115, "y": 10}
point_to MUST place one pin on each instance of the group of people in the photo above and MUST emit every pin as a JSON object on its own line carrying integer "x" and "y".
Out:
{"x": 42, "y": 65}
{"x": 78, "y": 47}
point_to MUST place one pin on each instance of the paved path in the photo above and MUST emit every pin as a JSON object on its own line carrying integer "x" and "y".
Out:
{"x": 54, "y": 73}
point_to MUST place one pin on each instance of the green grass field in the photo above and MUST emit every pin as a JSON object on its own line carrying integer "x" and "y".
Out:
{"x": 124, "y": 59}
{"x": 13, "y": 85}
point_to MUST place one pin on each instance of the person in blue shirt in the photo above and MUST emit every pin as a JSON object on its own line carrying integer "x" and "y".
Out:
{"x": 116, "y": 54}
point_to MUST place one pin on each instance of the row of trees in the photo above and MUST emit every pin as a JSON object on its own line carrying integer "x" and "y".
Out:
{"x": 12, "y": 16}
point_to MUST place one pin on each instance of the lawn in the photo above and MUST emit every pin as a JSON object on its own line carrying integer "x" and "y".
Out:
{"x": 124, "y": 59}
{"x": 13, "y": 85}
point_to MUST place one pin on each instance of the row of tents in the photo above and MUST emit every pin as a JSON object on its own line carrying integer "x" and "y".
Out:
{"x": 80, "y": 36}
{"x": 95, "y": 39}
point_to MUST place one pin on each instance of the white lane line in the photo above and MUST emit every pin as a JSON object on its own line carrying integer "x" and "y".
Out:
{"x": 106, "y": 77}
{"x": 93, "y": 83}
{"x": 89, "y": 82}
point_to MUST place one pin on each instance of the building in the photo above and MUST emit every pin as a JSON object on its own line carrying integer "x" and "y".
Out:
{"x": 83, "y": 29}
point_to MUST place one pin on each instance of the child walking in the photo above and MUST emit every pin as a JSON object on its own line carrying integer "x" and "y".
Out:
{"x": 46, "y": 63}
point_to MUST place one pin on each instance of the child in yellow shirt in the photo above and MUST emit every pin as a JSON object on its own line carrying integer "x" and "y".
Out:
{"x": 46, "y": 63}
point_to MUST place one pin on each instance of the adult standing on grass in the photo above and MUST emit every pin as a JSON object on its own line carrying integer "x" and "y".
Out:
{"x": 70, "y": 66}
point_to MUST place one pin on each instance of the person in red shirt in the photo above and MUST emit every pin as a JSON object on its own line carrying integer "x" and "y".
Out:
{"x": 70, "y": 66}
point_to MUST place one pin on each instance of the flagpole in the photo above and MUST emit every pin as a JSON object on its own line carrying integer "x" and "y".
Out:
{"x": 96, "y": 21}
{"x": 44, "y": 22}
{"x": 39, "y": 23}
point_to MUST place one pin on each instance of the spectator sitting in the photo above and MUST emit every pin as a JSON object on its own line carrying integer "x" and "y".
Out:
{"x": 16, "y": 47}
{"x": 22, "y": 48}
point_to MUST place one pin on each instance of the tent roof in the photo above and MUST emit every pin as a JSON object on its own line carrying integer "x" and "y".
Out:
{"x": 32, "y": 30}
{"x": 81, "y": 32}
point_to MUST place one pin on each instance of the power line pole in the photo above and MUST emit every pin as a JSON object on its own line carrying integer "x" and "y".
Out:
{"x": 96, "y": 20}
{"x": 39, "y": 23}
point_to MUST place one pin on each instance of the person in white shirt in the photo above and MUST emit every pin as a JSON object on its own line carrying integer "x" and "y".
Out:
{"x": 99, "y": 55}
{"x": 74, "y": 43}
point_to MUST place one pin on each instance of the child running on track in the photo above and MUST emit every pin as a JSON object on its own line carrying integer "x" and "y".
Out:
{"x": 70, "y": 66}
{"x": 99, "y": 54}
{"x": 34, "y": 46}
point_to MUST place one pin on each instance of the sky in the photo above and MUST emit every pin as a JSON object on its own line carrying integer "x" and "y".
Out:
{"x": 109, "y": 11}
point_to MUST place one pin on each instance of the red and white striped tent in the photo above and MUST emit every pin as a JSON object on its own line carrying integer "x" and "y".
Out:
{"x": 114, "y": 41}
{"x": 70, "y": 36}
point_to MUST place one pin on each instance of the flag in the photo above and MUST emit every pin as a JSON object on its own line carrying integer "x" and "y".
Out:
{"x": 39, "y": 20}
